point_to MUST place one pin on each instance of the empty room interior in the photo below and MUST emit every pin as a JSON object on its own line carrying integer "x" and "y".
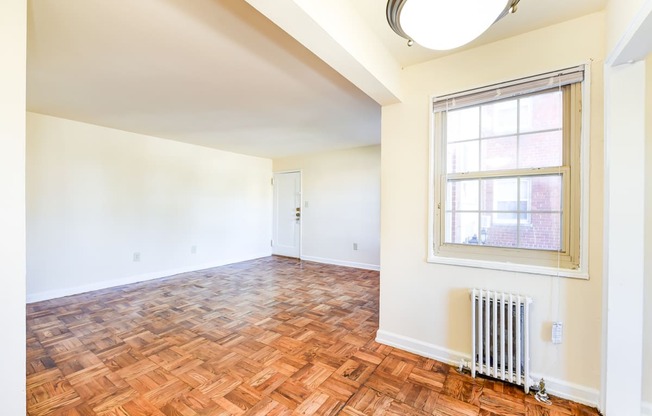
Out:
{"x": 245, "y": 207}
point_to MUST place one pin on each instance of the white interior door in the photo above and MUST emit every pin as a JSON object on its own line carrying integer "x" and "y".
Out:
{"x": 287, "y": 214}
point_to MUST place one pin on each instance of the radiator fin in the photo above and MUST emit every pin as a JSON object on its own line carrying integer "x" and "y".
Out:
{"x": 500, "y": 336}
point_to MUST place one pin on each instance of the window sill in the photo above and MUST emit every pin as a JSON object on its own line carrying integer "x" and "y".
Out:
{"x": 510, "y": 267}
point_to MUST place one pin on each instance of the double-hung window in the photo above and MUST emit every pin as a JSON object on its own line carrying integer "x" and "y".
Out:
{"x": 506, "y": 172}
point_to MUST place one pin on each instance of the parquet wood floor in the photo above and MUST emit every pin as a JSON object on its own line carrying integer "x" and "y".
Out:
{"x": 273, "y": 336}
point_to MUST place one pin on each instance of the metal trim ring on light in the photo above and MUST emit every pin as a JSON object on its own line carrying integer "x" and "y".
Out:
{"x": 394, "y": 7}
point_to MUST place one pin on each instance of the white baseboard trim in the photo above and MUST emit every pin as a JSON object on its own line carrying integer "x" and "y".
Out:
{"x": 646, "y": 408}
{"x": 105, "y": 284}
{"x": 421, "y": 348}
{"x": 345, "y": 263}
{"x": 570, "y": 391}
{"x": 556, "y": 387}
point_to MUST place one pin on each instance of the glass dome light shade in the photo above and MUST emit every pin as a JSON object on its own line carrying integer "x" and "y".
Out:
{"x": 448, "y": 24}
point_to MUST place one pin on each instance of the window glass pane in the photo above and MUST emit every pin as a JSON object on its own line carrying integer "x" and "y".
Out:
{"x": 462, "y": 157}
{"x": 494, "y": 193}
{"x": 525, "y": 192}
{"x": 499, "y": 119}
{"x": 463, "y": 195}
{"x": 501, "y": 235}
{"x": 498, "y": 154}
{"x": 510, "y": 210}
{"x": 541, "y": 112}
{"x": 540, "y": 150}
{"x": 546, "y": 193}
{"x": 462, "y": 228}
{"x": 543, "y": 232}
{"x": 462, "y": 124}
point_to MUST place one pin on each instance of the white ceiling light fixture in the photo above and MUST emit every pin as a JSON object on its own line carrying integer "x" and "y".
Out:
{"x": 445, "y": 24}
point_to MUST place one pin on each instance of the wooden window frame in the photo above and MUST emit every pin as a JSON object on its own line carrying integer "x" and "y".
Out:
{"x": 571, "y": 259}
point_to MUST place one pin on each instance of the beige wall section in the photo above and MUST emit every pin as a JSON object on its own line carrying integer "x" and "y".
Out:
{"x": 13, "y": 23}
{"x": 428, "y": 303}
{"x": 647, "y": 314}
{"x": 95, "y": 196}
{"x": 342, "y": 191}
{"x": 619, "y": 16}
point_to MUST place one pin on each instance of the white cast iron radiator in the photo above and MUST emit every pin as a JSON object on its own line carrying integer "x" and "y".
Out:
{"x": 500, "y": 336}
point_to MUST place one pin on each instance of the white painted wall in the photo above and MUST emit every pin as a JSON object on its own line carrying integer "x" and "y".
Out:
{"x": 625, "y": 384}
{"x": 647, "y": 313}
{"x": 624, "y": 237}
{"x": 13, "y": 24}
{"x": 342, "y": 193}
{"x": 619, "y": 15}
{"x": 97, "y": 195}
{"x": 425, "y": 307}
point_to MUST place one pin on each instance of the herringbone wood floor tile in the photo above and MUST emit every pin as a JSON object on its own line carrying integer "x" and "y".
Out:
{"x": 273, "y": 336}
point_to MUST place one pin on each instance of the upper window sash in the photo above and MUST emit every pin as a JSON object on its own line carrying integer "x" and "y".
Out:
{"x": 508, "y": 89}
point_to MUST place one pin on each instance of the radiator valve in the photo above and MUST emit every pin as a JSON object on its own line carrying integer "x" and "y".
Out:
{"x": 461, "y": 367}
{"x": 542, "y": 394}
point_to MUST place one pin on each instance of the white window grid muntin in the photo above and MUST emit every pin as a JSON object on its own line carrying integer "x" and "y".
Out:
{"x": 485, "y": 214}
{"x": 480, "y": 138}
{"x": 516, "y": 173}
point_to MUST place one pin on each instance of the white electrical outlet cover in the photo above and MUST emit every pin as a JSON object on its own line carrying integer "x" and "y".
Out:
{"x": 557, "y": 332}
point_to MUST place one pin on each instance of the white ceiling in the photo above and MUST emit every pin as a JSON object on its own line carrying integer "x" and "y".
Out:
{"x": 210, "y": 72}
{"x": 218, "y": 73}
